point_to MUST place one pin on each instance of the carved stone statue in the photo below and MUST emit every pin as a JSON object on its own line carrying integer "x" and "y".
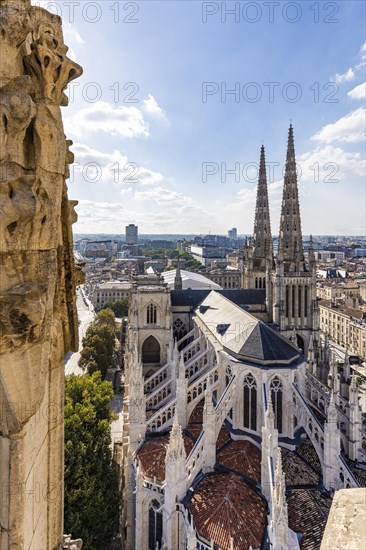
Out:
{"x": 38, "y": 322}
{"x": 69, "y": 544}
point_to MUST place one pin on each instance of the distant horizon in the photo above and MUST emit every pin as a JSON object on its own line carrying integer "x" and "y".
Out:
{"x": 240, "y": 235}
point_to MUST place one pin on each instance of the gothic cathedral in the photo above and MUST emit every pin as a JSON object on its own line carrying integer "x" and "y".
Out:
{"x": 238, "y": 426}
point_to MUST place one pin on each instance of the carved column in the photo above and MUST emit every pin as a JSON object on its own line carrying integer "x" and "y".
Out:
{"x": 38, "y": 277}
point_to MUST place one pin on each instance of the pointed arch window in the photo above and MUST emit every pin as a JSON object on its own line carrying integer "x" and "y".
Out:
{"x": 276, "y": 389}
{"x": 229, "y": 375}
{"x": 250, "y": 403}
{"x": 155, "y": 525}
{"x": 306, "y": 301}
{"x": 287, "y": 301}
{"x": 179, "y": 329}
{"x": 151, "y": 314}
{"x": 299, "y": 301}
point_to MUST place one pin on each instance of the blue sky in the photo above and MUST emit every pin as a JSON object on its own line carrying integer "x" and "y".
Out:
{"x": 160, "y": 142}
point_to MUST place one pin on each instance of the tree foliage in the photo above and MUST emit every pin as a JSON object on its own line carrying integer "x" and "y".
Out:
{"x": 91, "y": 483}
{"x": 98, "y": 344}
{"x": 105, "y": 316}
{"x": 119, "y": 307}
{"x": 169, "y": 268}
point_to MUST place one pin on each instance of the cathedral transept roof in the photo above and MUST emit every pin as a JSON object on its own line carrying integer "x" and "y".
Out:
{"x": 243, "y": 457}
{"x": 152, "y": 455}
{"x": 226, "y": 509}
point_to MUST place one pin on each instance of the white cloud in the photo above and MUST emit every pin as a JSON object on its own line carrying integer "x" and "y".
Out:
{"x": 94, "y": 166}
{"x": 102, "y": 217}
{"x": 152, "y": 107}
{"x": 330, "y": 164}
{"x": 359, "y": 92}
{"x": 351, "y": 72}
{"x": 103, "y": 117}
{"x": 363, "y": 53}
{"x": 349, "y": 129}
{"x": 163, "y": 196}
{"x": 345, "y": 77}
{"x": 179, "y": 212}
{"x": 71, "y": 31}
{"x": 108, "y": 217}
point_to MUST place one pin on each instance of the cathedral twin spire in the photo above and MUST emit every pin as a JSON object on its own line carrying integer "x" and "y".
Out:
{"x": 262, "y": 238}
{"x": 290, "y": 238}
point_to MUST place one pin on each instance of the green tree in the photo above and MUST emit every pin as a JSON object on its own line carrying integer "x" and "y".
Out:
{"x": 91, "y": 483}
{"x": 169, "y": 268}
{"x": 98, "y": 346}
{"x": 173, "y": 254}
{"x": 106, "y": 316}
{"x": 119, "y": 307}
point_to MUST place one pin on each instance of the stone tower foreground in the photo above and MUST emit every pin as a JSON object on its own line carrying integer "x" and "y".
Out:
{"x": 38, "y": 278}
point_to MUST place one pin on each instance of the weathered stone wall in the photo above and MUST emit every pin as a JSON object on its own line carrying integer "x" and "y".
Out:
{"x": 346, "y": 525}
{"x": 38, "y": 277}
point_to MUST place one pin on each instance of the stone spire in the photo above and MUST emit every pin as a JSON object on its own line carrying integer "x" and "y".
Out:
{"x": 346, "y": 366}
{"x": 262, "y": 238}
{"x": 332, "y": 413}
{"x": 279, "y": 515}
{"x": 332, "y": 447}
{"x": 175, "y": 449}
{"x": 269, "y": 448}
{"x": 354, "y": 425}
{"x": 175, "y": 482}
{"x": 290, "y": 237}
{"x": 181, "y": 393}
{"x": 178, "y": 283}
{"x": 312, "y": 260}
{"x": 209, "y": 423}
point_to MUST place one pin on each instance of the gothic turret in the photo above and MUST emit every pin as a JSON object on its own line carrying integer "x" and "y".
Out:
{"x": 178, "y": 283}
{"x": 290, "y": 237}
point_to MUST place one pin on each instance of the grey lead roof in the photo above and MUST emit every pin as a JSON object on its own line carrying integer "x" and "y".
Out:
{"x": 240, "y": 297}
{"x": 242, "y": 335}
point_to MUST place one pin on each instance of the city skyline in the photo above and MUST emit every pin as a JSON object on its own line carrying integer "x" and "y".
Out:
{"x": 168, "y": 132}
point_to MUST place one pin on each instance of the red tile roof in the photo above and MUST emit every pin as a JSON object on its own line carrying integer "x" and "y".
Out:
{"x": 296, "y": 470}
{"x": 195, "y": 430}
{"x": 225, "y": 507}
{"x": 223, "y": 437}
{"x": 197, "y": 414}
{"x": 243, "y": 457}
{"x": 308, "y": 513}
{"x": 152, "y": 455}
{"x": 307, "y": 452}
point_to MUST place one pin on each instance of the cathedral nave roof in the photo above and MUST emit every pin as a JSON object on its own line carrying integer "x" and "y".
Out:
{"x": 243, "y": 335}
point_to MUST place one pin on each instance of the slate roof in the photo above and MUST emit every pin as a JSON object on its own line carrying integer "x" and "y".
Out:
{"x": 191, "y": 298}
{"x": 241, "y": 334}
{"x": 242, "y": 297}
